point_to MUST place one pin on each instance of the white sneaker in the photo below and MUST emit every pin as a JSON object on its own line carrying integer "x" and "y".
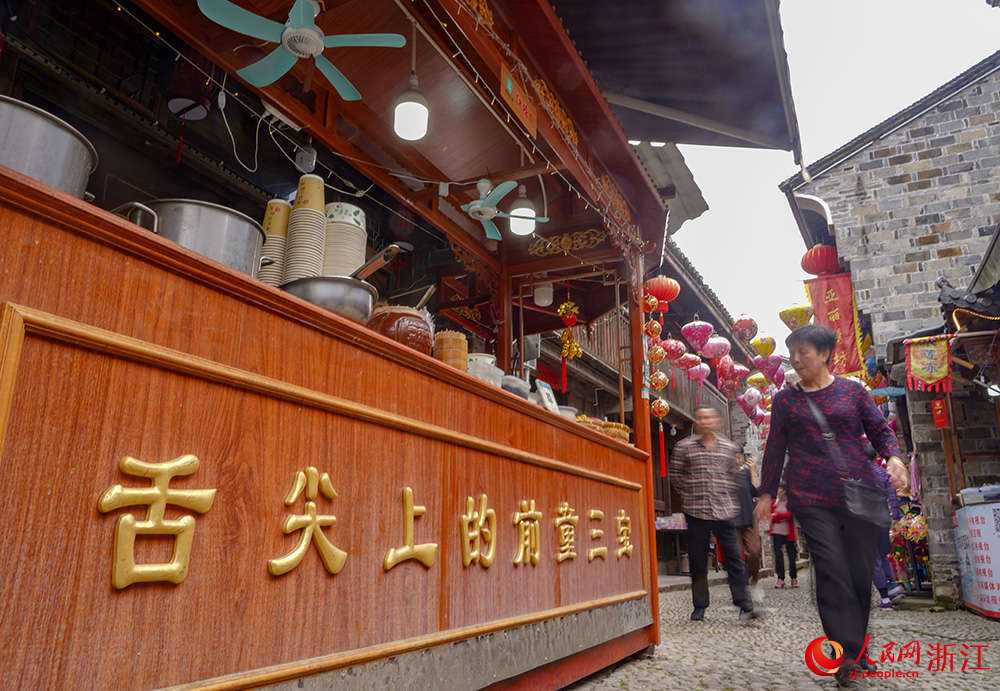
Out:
{"x": 757, "y": 592}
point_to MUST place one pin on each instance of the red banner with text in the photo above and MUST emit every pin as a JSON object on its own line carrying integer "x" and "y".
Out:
{"x": 832, "y": 299}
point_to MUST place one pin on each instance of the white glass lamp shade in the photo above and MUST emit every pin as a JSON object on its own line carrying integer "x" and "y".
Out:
{"x": 543, "y": 294}
{"x": 522, "y": 214}
{"x": 409, "y": 120}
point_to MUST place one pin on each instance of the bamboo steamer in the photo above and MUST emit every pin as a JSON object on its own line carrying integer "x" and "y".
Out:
{"x": 451, "y": 348}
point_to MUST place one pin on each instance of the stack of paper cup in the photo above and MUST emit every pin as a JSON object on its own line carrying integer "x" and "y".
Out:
{"x": 346, "y": 239}
{"x": 306, "y": 231}
{"x": 276, "y": 233}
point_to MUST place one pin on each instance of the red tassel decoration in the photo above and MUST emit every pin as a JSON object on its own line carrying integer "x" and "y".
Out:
{"x": 564, "y": 375}
{"x": 672, "y": 378}
{"x": 180, "y": 142}
{"x": 663, "y": 453}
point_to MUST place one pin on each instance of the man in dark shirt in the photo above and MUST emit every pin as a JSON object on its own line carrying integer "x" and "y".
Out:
{"x": 705, "y": 469}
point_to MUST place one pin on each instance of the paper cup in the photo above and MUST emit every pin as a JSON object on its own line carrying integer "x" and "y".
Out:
{"x": 310, "y": 193}
{"x": 276, "y": 217}
{"x": 342, "y": 212}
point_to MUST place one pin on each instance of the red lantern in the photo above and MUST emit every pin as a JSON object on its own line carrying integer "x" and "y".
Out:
{"x": 820, "y": 260}
{"x": 663, "y": 289}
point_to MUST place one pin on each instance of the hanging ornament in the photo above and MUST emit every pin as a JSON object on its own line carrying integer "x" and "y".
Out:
{"x": 820, "y": 260}
{"x": 758, "y": 381}
{"x": 745, "y": 328}
{"x": 752, "y": 397}
{"x": 570, "y": 348}
{"x": 659, "y": 408}
{"x": 698, "y": 373}
{"x": 716, "y": 347}
{"x": 656, "y": 354}
{"x": 768, "y": 365}
{"x": 658, "y": 380}
{"x": 740, "y": 372}
{"x": 651, "y": 329}
{"x": 726, "y": 368}
{"x": 687, "y": 361}
{"x": 792, "y": 377}
{"x": 728, "y": 385}
{"x": 664, "y": 290}
{"x": 745, "y": 404}
{"x": 650, "y": 303}
{"x": 568, "y": 311}
{"x": 796, "y": 316}
{"x": 763, "y": 344}
{"x": 673, "y": 348}
{"x": 779, "y": 377}
{"x": 697, "y": 333}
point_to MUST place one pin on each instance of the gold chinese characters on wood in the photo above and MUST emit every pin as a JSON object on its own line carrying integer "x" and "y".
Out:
{"x": 477, "y": 528}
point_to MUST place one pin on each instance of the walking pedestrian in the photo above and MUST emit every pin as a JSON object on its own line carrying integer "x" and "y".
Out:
{"x": 705, "y": 469}
{"x": 882, "y": 574}
{"x": 783, "y": 538}
{"x": 842, "y": 545}
{"x": 748, "y": 525}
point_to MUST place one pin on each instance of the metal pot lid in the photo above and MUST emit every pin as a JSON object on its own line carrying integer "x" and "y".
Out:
{"x": 62, "y": 123}
{"x": 210, "y": 205}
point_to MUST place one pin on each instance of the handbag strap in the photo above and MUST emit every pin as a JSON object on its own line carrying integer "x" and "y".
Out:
{"x": 828, "y": 435}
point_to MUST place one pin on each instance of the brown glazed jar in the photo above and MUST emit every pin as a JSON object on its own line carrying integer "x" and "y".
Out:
{"x": 404, "y": 325}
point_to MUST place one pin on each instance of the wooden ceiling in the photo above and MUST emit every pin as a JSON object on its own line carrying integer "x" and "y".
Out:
{"x": 471, "y": 134}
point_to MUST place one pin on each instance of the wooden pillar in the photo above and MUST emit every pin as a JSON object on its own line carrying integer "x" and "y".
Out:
{"x": 505, "y": 334}
{"x": 643, "y": 438}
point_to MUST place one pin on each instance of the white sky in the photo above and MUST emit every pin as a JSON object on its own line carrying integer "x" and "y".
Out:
{"x": 853, "y": 64}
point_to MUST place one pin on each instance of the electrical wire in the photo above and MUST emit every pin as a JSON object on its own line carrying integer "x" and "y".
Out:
{"x": 256, "y": 134}
{"x": 519, "y": 66}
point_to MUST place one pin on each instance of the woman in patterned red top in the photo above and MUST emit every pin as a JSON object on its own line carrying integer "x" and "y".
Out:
{"x": 842, "y": 546}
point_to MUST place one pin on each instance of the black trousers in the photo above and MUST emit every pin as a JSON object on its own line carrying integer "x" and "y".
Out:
{"x": 843, "y": 554}
{"x": 782, "y": 541}
{"x": 698, "y": 534}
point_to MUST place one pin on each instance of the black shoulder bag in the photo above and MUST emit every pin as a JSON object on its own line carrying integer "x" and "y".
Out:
{"x": 863, "y": 500}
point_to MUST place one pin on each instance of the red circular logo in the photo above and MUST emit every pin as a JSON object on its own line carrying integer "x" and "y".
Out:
{"x": 818, "y": 662}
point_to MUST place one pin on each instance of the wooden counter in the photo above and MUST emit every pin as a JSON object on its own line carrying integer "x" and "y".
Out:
{"x": 115, "y": 343}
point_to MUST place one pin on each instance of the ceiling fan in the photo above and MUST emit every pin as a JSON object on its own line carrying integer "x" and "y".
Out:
{"x": 484, "y": 209}
{"x": 298, "y": 38}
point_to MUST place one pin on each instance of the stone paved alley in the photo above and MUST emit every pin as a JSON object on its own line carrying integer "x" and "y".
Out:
{"x": 718, "y": 653}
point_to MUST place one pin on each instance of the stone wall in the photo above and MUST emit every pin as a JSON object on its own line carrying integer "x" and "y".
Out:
{"x": 917, "y": 204}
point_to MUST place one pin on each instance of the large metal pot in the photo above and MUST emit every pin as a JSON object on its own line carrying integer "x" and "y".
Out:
{"x": 43, "y": 147}
{"x": 219, "y": 233}
{"x": 348, "y": 296}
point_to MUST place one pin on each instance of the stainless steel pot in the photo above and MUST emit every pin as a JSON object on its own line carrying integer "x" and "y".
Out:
{"x": 219, "y": 233}
{"x": 348, "y": 296}
{"x": 43, "y": 147}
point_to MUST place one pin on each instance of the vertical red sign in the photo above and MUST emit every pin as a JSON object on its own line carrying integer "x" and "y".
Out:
{"x": 939, "y": 410}
{"x": 832, "y": 299}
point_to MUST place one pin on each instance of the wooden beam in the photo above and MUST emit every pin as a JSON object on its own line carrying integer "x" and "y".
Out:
{"x": 319, "y": 124}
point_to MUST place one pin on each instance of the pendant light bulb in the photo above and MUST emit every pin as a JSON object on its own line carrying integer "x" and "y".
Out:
{"x": 543, "y": 294}
{"x": 410, "y": 117}
{"x": 522, "y": 214}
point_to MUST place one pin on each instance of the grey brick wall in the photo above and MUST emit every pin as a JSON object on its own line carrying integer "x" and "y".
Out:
{"x": 916, "y": 205}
